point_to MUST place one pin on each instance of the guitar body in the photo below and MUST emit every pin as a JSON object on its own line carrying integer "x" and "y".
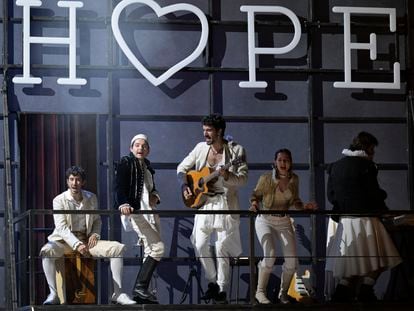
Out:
{"x": 198, "y": 182}
{"x": 195, "y": 180}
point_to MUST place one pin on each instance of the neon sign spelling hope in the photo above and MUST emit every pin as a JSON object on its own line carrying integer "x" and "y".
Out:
{"x": 253, "y": 50}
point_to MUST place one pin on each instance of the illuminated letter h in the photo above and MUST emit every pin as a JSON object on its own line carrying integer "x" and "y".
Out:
{"x": 28, "y": 40}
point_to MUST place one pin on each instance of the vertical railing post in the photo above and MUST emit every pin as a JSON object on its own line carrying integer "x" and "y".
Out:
{"x": 32, "y": 262}
{"x": 252, "y": 257}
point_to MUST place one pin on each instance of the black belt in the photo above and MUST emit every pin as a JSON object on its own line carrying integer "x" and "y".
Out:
{"x": 212, "y": 194}
{"x": 278, "y": 215}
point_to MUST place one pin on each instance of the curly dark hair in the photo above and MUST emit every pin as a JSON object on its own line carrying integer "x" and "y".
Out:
{"x": 76, "y": 171}
{"x": 215, "y": 120}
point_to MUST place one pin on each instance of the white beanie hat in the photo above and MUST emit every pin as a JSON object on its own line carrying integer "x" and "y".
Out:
{"x": 139, "y": 136}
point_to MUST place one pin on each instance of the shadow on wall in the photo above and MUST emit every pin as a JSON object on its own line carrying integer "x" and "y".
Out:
{"x": 180, "y": 256}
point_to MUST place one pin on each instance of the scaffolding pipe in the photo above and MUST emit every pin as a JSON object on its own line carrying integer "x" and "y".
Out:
{"x": 10, "y": 279}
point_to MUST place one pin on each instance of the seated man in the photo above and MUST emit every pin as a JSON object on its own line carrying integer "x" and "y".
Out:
{"x": 80, "y": 233}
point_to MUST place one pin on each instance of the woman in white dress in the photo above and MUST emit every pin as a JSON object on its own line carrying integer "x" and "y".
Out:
{"x": 359, "y": 248}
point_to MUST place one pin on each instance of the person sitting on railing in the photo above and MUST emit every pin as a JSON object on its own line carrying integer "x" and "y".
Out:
{"x": 80, "y": 233}
{"x": 360, "y": 247}
{"x": 135, "y": 190}
{"x": 278, "y": 191}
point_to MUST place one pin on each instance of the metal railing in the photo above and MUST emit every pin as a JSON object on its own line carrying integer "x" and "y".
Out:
{"x": 29, "y": 216}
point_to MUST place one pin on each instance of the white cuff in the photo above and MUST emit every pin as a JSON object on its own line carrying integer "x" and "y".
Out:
{"x": 123, "y": 205}
{"x": 75, "y": 246}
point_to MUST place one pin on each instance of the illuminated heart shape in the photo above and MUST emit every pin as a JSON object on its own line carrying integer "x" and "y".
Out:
{"x": 160, "y": 12}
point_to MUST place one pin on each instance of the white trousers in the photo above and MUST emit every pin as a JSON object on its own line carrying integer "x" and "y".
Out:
{"x": 271, "y": 230}
{"x": 102, "y": 249}
{"x": 53, "y": 250}
{"x": 150, "y": 235}
{"x": 227, "y": 242}
{"x": 202, "y": 246}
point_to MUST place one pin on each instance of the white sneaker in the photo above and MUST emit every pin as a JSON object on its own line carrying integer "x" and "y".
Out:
{"x": 52, "y": 299}
{"x": 261, "y": 298}
{"x": 122, "y": 299}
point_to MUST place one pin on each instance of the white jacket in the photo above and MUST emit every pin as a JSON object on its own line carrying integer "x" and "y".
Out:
{"x": 63, "y": 222}
{"x": 197, "y": 159}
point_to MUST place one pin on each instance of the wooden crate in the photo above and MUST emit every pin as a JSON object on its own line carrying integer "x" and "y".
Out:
{"x": 75, "y": 280}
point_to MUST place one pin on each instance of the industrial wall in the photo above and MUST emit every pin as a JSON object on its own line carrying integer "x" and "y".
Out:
{"x": 300, "y": 108}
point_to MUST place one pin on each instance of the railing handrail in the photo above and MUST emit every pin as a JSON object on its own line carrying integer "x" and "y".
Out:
{"x": 190, "y": 212}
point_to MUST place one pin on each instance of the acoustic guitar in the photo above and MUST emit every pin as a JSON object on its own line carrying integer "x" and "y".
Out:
{"x": 198, "y": 181}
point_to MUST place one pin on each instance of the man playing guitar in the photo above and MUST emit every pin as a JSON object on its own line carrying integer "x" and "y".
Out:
{"x": 222, "y": 158}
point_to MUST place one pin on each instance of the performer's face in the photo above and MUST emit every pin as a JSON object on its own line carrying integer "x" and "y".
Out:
{"x": 370, "y": 151}
{"x": 283, "y": 163}
{"x": 140, "y": 148}
{"x": 211, "y": 134}
{"x": 75, "y": 184}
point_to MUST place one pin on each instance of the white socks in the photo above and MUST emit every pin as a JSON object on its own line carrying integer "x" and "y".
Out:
{"x": 117, "y": 266}
{"x": 49, "y": 268}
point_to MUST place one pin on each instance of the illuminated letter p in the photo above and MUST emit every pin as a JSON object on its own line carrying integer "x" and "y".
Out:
{"x": 253, "y": 50}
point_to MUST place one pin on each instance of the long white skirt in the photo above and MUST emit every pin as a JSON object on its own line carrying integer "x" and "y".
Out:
{"x": 357, "y": 246}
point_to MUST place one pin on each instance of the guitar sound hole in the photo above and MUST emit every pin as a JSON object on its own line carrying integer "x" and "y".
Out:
{"x": 201, "y": 183}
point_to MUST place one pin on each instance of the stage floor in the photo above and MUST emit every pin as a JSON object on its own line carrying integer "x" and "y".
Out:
{"x": 379, "y": 306}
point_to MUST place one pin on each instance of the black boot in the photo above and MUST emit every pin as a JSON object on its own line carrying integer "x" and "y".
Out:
{"x": 366, "y": 293}
{"x": 342, "y": 294}
{"x": 140, "y": 292}
{"x": 212, "y": 291}
{"x": 221, "y": 298}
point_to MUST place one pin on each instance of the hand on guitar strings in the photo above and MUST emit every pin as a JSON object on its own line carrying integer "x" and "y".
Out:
{"x": 224, "y": 172}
